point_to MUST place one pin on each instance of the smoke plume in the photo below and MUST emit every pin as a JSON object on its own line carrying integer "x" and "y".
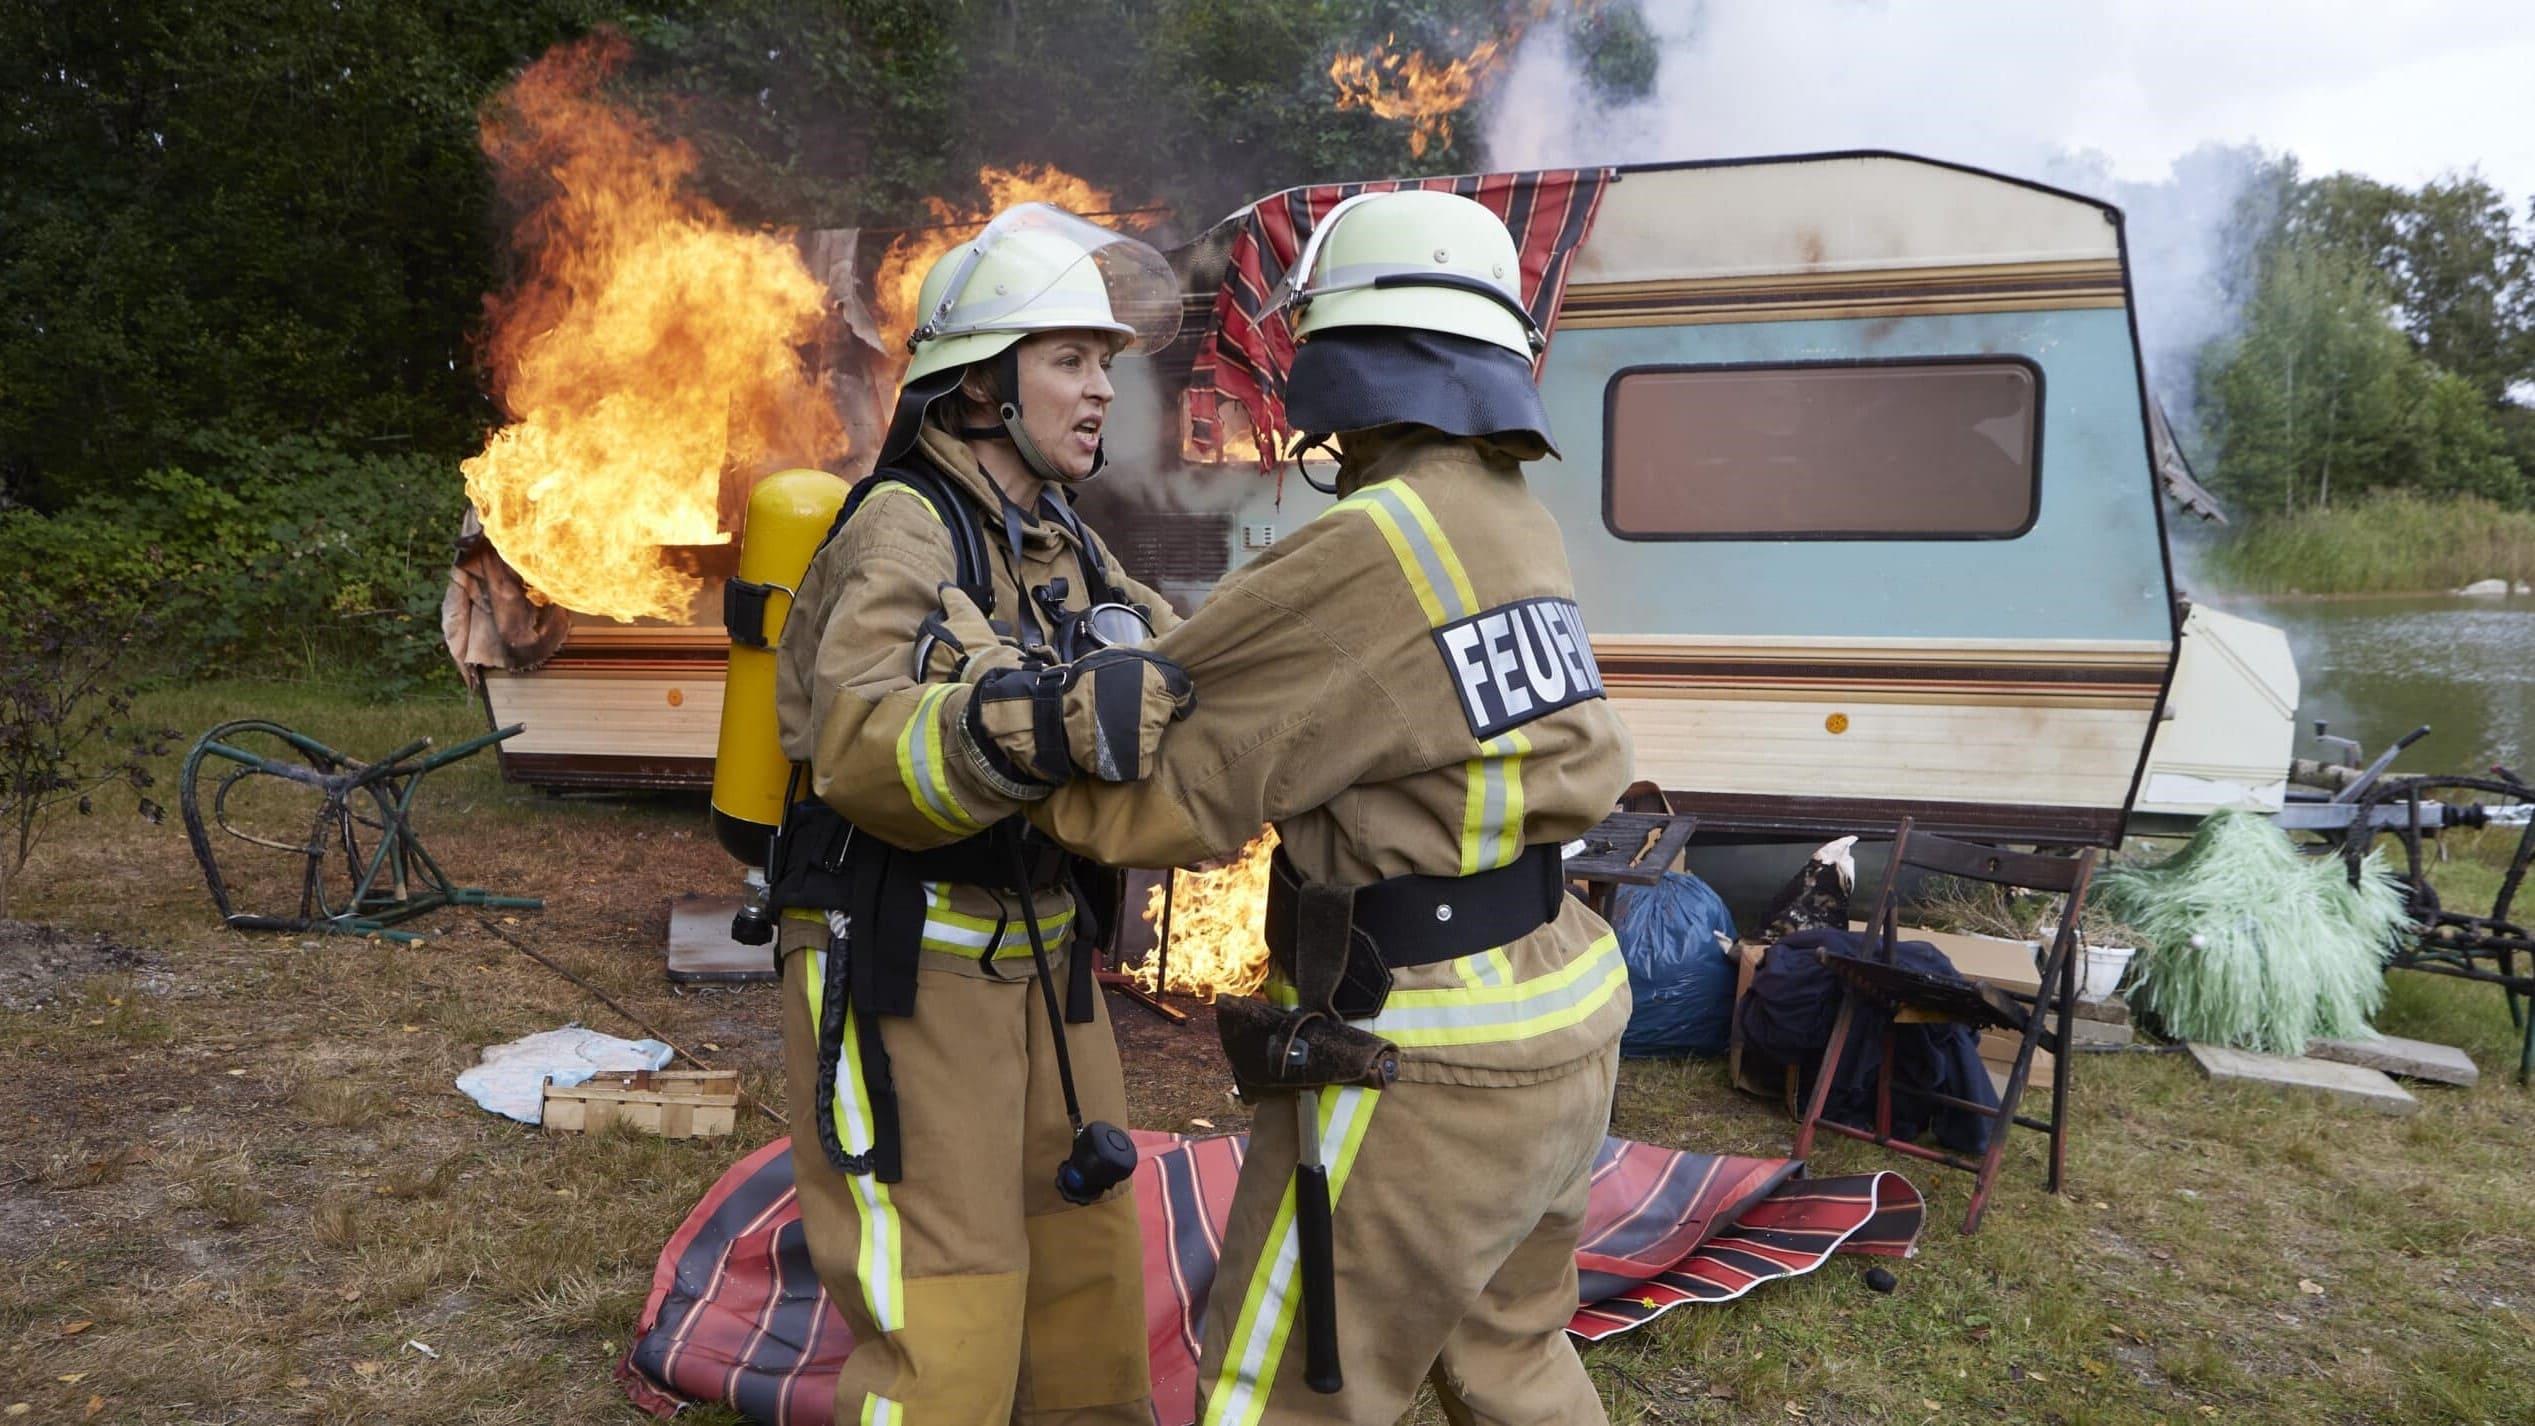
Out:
{"x": 2009, "y": 88}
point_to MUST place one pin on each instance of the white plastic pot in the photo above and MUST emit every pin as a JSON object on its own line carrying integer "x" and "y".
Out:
{"x": 2104, "y": 967}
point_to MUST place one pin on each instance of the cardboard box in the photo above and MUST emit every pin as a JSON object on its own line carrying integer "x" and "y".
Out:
{"x": 675, "y": 1104}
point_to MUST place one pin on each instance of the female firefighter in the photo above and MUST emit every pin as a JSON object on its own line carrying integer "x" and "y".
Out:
{"x": 1404, "y": 687}
{"x": 922, "y": 935}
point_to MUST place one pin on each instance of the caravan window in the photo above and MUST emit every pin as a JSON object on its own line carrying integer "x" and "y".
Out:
{"x": 1911, "y": 450}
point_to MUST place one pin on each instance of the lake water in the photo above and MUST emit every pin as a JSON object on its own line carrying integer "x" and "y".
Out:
{"x": 2378, "y": 668}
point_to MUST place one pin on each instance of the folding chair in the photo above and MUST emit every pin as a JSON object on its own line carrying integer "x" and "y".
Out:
{"x": 1924, "y": 999}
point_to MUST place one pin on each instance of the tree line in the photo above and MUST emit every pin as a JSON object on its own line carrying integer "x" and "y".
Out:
{"x": 263, "y": 220}
{"x": 2387, "y": 345}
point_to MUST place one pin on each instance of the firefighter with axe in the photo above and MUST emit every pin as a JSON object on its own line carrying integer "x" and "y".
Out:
{"x": 1405, "y": 688}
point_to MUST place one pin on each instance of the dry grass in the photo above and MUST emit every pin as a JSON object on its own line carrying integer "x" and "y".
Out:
{"x": 244, "y": 1167}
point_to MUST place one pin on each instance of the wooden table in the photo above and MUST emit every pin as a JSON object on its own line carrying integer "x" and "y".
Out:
{"x": 1629, "y": 849}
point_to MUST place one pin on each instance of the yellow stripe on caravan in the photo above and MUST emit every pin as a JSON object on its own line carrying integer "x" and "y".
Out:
{"x": 920, "y": 765}
{"x": 1269, "y": 1306}
{"x": 880, "y": 1255}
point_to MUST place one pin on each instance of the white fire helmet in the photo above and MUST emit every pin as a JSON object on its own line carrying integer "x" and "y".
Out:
{"x": 1417, "y": 259}
{"x": 1038, "y": 268}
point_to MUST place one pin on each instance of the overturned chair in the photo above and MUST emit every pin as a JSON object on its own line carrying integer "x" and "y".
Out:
{"x": 363, "y": 820}
{"x": 2039, "y": 1019}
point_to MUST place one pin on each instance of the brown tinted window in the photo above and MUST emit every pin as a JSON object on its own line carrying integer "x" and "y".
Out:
{"x": 1899, "y": 451}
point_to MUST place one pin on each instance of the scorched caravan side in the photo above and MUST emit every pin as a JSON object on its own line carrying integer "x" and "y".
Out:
{"x": 1857, "y": 487}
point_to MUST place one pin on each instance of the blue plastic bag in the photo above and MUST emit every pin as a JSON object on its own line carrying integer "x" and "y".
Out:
{"x": 1678, "y": 973}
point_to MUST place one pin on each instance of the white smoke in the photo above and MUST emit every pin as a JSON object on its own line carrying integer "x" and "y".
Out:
{"x": 2017, "y": 89}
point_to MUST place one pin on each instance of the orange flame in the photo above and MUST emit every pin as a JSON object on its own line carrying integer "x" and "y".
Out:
{"x": 903, "y": 267}
{"x": 1216, "y": 915}
{"x": 649, "y": 360}
{"x": 1407, "y": 85}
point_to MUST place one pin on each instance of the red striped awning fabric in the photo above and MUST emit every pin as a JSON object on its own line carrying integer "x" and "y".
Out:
{"x": 736, "y": 1314}
{"x": 1243, "y": 356}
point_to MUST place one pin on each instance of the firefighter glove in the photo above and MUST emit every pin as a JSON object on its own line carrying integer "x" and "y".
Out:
{"x": 1102, "y": 715}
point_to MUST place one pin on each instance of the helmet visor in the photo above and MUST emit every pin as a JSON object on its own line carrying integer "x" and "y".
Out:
{"x": 1038, "y": 268}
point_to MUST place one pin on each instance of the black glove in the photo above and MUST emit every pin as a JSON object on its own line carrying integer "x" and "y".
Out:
{"x": 1103, "y": 714}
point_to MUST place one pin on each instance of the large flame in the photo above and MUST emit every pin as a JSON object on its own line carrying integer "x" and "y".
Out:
{"x": 650, "y": 356}
{"x": 1397, "y": 84}
{"x": 1216, "y": 915}
{"x": 902, "y": 269}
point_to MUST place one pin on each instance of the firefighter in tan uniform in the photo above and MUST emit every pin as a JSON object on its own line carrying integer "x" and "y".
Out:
{"x": 1405, "y": 689}
{"x": 926, "y": 943}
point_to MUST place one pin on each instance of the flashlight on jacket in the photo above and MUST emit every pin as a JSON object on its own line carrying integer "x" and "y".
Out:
{"x": 1102, "y": 1159}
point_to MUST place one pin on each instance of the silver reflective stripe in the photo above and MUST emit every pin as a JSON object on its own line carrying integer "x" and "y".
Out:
{"x": 1539, "y": 1006}
{"x": 1413, "y": 530}
{"x": 920, "y": 753}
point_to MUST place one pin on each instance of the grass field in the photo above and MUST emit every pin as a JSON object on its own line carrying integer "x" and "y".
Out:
{"x": 236, "y": 1184}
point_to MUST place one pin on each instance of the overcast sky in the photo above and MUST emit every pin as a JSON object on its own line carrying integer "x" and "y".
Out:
{"x": 2401, "y": 91}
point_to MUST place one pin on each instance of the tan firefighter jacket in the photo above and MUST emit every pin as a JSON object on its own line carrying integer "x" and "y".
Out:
{"x": 879, "y": 745}
{"x": 1396, "y": 687}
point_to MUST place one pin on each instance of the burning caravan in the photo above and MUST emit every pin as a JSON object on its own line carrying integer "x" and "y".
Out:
{"x": 1857, "y": 485}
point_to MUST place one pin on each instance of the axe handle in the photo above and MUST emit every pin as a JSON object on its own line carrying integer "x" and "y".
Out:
{"x": 1315, "y": 1254}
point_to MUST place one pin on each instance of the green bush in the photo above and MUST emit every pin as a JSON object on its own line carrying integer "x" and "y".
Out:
{"x": 291, "y": 557}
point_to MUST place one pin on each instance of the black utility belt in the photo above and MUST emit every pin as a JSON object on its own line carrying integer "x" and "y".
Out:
{"x": 818, "y": 846}
{"x": 1416, "y": 920}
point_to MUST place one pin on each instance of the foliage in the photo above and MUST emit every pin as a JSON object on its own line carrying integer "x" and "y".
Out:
{"x": 269, "y": 556}
{"x": 2459, "y": 266}
{"x": 2384, "y": 332}
{"x": 2390, "y": 543}
{"x": 66, "y": 730}
{"x": 2320, "y": 391}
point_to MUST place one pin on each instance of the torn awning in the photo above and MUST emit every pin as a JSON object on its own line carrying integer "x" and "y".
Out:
{"x": 1243, "y": 357}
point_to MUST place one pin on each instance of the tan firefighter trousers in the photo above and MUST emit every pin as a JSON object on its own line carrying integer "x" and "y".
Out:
{"x": 976, "y": 1294}
{"x": 1456, "y": 1213}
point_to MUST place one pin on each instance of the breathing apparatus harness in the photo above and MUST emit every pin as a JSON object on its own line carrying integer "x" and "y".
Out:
{"x": 873, "y": 892}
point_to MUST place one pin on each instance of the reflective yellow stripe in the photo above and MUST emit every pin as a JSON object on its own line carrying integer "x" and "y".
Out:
{"x": 960, "y": 934}
{"x": 900, "y": 487}
{"x": 880, "y": 1258}
{"x": 1492, "y": 812}
{"x": 1435, "y": 574}
{"x": 881, "y": 1411}
{"x": 920, "y": 765}
{"x": 1491, "y": 967}
{"x": 1269, "y": 1305}
{"x": 1490, "y": 1015}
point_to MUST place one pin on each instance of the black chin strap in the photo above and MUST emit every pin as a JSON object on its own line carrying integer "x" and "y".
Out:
{"x": 1315, "y": 440}
{"x": 1008, "y": 411}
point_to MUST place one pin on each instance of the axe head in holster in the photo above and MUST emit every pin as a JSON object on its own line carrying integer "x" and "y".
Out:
{"x": 1337, "y": 973}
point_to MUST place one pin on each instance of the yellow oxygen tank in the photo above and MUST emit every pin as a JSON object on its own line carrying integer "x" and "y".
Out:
{"x": 788, "y": 515}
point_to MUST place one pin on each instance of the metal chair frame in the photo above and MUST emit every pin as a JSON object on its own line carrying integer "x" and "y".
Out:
{"x": 384, "y": 877}
{"x": 1917, "y": 999}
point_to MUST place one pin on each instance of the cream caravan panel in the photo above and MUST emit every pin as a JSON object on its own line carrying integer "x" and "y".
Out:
{"x": 614, "y": 714}
{"x": 2231, "y": 721}
{"x": 1986, "y": 752}
{"x": 1829, "y": 216}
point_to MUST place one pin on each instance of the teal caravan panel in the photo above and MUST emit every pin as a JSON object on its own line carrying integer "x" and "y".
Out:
{"x": 2091, "y": 566}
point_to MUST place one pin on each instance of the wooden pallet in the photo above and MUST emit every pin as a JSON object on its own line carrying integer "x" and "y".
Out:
{"x": 675, "y": 1104}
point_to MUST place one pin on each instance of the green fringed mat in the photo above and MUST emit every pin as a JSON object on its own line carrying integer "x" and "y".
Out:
{"x": 2250, "y": 944}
